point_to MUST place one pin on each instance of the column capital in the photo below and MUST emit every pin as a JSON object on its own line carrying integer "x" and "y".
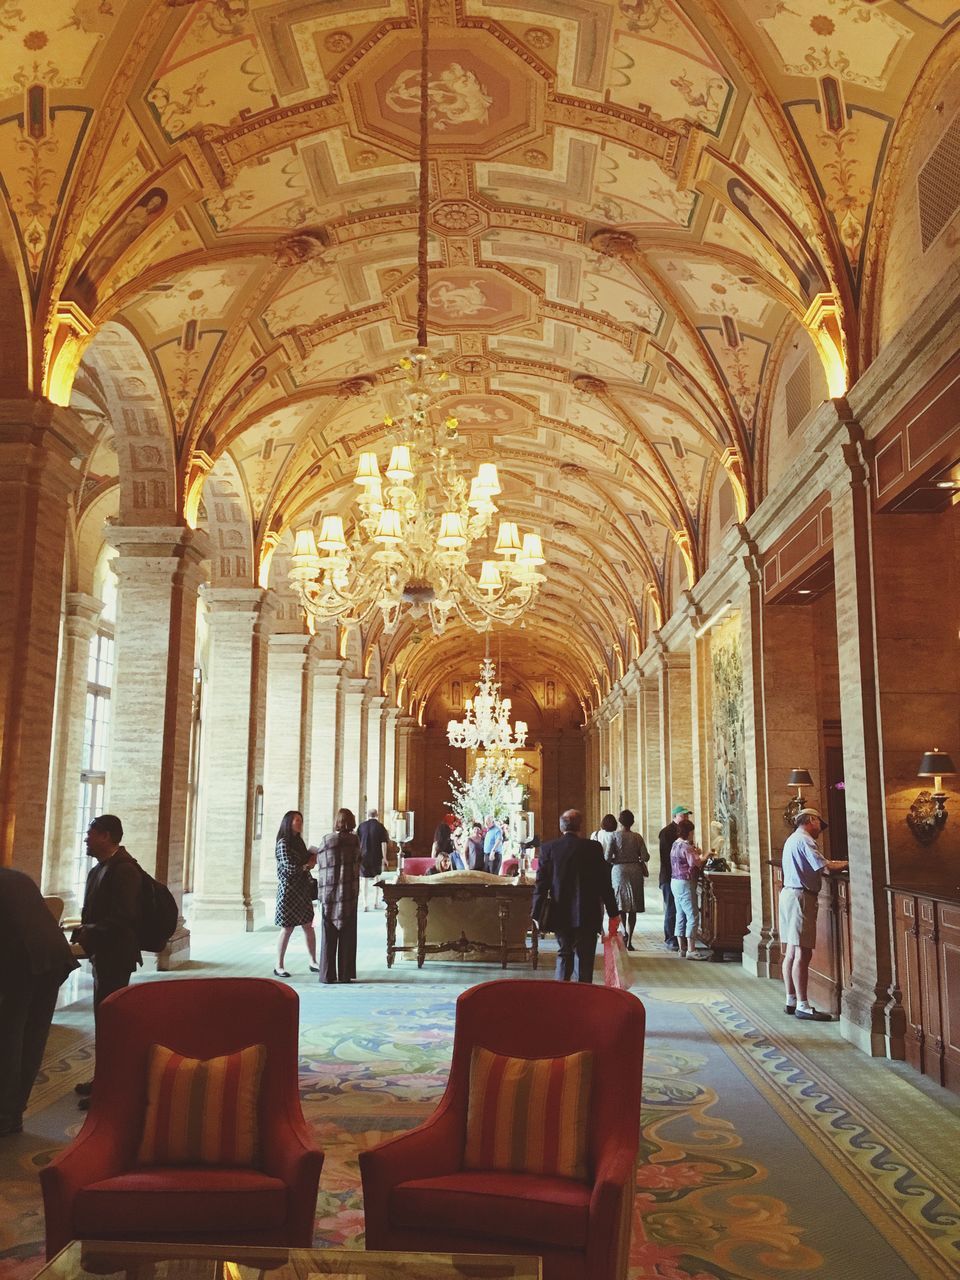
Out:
{"x": 233, "y": 599}
{"x": 289, "y": 643}
{"x": 392, "y": 712}
{"x": 82, "y": 614}
{"x": 153, "y": 546}
{"x": 376, "y": 703}
{"x": 354, "y": 686}
{"x": 38, "y": 433}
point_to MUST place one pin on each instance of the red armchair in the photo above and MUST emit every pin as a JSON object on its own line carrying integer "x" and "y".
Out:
{"x": 94, "y": 1189}
{"x": 418, "y": 1196}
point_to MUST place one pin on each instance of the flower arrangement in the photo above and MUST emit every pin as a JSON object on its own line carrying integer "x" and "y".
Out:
{"x": 489, "y": 792}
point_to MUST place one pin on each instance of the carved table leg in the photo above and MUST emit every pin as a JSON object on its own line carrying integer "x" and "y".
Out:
{"x": 503, "y": 914}
{"x": 423, "y": 910}
{"x": 393, "y": 909}
{"x": 535, "y": 947}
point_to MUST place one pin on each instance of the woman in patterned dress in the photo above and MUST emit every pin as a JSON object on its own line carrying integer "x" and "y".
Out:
{"x": 294, "y": 890}
{"x": 628, "y": 856}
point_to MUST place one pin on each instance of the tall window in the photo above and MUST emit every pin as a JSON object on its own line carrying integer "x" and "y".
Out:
{"x": 96, "y": 741}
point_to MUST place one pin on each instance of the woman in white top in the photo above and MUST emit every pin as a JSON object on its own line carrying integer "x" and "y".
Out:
{"x": 606, "y": 835}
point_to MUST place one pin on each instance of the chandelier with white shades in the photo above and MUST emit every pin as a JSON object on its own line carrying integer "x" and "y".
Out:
{"x": 486, "y": 722}
{"x": 418, "y": 530}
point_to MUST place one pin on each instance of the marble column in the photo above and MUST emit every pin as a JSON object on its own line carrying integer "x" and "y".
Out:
{"x": 871, "y": 1015}
{"x": 158, "y": 576}
{"x": 761, "y": 947}
{"x": 372, "y": 790}
{"x": 353, "y": 737}
{"x": 405, "y": 727}
{"x": 226, "y": 888}
{"x": 322, "y": 711}
{"x": 81, "y": 617}
{"x": 649, "y": 711}
{"x": 388, "y": 761}
{"x": 39, "y": 444}
{"x": 676, "y": 731}
{"x": 283, "y": 748}
{"x": 631, "y": 746}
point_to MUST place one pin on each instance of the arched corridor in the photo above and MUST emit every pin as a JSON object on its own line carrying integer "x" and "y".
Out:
{"x": 682, "y": 275}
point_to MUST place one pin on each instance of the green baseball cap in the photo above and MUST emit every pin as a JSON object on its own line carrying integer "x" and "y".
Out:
{"x": 680, "y": 808}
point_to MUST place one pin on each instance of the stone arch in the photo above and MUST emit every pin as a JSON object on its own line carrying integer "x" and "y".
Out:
{"x": 225, "y": 515}
{"x": 798, "y": 386}
{"x": 351, "y": 651}
{"x": 287, "y": 610}
{"x": 16, "y": 380}
{"x": 915, "y": 235}
{"x": 117, "y": 379}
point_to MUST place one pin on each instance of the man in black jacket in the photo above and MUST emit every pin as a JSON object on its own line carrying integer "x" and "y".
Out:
{"x": 573, "y": 873}
{"x": 35, "y": 958}
{"x": 667, "y": 837}
{"x": 110, "y": 919}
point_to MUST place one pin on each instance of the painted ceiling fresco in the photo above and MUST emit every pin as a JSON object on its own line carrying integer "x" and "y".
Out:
{"x": 631, "y": 202}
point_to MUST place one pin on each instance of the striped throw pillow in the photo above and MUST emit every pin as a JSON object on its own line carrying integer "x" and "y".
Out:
{"x": 202, "y": 1111}
{"x": 529, "y": 1115}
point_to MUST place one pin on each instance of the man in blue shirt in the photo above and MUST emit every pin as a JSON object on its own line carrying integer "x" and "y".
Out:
{"x": 493, "y": 848}
{"x": 803, "y": 868}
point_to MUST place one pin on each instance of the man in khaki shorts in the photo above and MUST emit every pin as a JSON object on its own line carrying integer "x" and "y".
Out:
{"x": 803, "y": 867}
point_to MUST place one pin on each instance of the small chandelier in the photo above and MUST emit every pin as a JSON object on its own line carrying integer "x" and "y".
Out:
{"x": 404, "y": 548}
{"x": 486, "y": 723}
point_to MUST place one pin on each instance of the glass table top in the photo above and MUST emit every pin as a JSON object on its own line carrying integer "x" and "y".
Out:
{"x": 133, "y": 1261}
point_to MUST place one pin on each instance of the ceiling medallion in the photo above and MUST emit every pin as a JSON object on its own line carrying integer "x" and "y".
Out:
{"x": 419, "y": 522}
{"x": 613, "y": 244}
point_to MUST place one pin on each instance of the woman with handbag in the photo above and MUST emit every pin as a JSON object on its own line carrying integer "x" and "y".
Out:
{"x": 628, "y": 856}
{"x": 296, "y": 890}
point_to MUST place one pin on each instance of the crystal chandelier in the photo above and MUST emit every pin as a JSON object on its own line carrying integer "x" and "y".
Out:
{"x": 486, "y": 722}
{"x": 417, "y": 527}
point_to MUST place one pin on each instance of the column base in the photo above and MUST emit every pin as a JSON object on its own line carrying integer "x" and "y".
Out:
{"x": 173, "y": 956}
{"x": 876, "y": 1025}
{"x": 762, "y": 956}
{"x": 222, "y": 913}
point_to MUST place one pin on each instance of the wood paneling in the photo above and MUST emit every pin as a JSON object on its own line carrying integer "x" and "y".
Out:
{"x": 927, "y": 955}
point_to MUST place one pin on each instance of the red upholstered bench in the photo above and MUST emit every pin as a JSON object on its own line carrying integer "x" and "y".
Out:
{"x": 413, "y": 866}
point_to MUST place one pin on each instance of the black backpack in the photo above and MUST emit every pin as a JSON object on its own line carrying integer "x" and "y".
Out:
{"x": 159, "y": 914}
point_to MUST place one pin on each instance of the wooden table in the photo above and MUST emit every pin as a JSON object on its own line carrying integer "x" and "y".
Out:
{"x": 505, "y": 899}
{"x": 86, "y": 1259}
{"x": 724, "y": 911}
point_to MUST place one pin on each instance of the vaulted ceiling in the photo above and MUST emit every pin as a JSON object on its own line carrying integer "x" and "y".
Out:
{"x": 634, "y": 203}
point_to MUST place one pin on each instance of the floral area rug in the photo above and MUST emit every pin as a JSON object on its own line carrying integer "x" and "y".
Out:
{"x": 755, "y": 1164}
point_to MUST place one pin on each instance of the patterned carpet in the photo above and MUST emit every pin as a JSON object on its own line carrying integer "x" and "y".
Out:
{"x": 768, "y": 1149}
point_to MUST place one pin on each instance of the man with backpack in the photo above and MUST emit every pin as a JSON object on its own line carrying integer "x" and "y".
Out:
{"x": 109, "y": 932}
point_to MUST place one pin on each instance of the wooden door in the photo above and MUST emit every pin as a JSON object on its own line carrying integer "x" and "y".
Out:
{"x": 907, "y": 956}
{"x": 930, "y": 990}
{"x": 948, "y": 932}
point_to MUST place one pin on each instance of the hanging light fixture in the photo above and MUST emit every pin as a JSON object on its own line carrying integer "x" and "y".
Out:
{"x": 486, "y": 722}
{"x": 407, "y": 549}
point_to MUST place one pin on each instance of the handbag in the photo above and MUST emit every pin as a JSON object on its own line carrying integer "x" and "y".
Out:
{"x": 545, "y": 921}
{"x": 314, "y": 887}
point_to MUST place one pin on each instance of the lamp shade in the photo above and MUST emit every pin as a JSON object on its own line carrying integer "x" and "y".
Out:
{"x": 487, "y": 479}
{"x": 331, "y": 534}
{"x": 388, "y": 527}
{"x": 532, "y": 552}
{"x": 490, "y": 579}
{"x": 935, "y": 764}
{"x": 799, "y": 778}
{"x": 305, "y": 544}
{"x": 508, "y": 539}
{"x": 451, "y": 533}
{"x": 368, "y": 471}
{"x": 480, "y": 499}
{"x": 400, "y": 467}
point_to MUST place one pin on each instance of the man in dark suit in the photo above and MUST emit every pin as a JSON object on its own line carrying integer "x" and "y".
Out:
{"x": 573, "y": 872}
{"x": 110, "y": 918}
{"x": 667, "y": 836}
{"x": 35, "y": 958}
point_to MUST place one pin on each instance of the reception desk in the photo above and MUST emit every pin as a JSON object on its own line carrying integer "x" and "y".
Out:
{"x": 832, "y": 962}
{"x": 927, "y": 959}
{"x": 466, "y": 913}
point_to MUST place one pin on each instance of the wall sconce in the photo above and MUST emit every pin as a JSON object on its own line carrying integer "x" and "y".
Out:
{"x": 928, "y": 813}
{"x": 799, "y": 778}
